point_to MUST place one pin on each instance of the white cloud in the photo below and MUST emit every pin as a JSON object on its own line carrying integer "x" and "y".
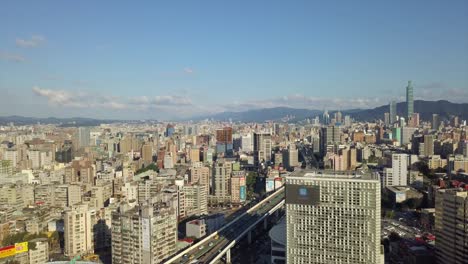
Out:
{"x": 12, "y": 57}
{"x": 66, "y": 98}
{"x": 33, "y": 41}
{"x": 188, "y": 70}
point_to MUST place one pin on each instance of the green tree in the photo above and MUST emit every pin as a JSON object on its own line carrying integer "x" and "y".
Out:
{"x": 152, "y": 166}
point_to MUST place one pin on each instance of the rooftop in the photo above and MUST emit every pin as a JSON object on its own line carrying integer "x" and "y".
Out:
{"x": 330, "y": 174}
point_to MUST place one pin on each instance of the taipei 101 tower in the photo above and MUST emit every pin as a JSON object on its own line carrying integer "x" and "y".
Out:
{"x": 409, "y": 100}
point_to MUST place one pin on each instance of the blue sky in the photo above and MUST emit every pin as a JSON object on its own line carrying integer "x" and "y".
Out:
{"x": 167, "y": 59}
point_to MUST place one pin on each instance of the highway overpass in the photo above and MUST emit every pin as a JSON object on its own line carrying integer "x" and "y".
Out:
{"x": 219, "y": 244}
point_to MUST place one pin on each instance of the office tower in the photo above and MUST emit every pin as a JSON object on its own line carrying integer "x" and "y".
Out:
{"x": 290, "y": 157}
{"x": 332, "y": 218}
{"x": 435, "y": 121}
{"x": 326, "y": 118}
{"x": 409, "y": 100}
{"x": 397, "y": 175}
{"x": 407, "y": 134}
{"x": 78, "y": 230}
{"x": 428, "y": 145}
{"x": 221, "y": 177}
{"x": 224, "y": 141}
{"x": 196, "y": 199}
{"x": 170, "y": 130}
{"x": 83, "y": 137}
{"x": 393, "y": 112}
{"x": 338, "y": 117}
{"x": 262, "y": 148}
{"x": 247, "y": 143}
{"x": 347, "y": 121}
{"x": 451, "y": 228}
{"x": 147, "y": 153}
{"x": 328, "y": 136}
{"x": 387, "y": 118}
{"x": 145, "y": 234}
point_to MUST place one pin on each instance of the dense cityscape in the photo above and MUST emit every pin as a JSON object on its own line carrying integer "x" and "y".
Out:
{"x": 234, "y": 132}
{"x": 328, "y": 189}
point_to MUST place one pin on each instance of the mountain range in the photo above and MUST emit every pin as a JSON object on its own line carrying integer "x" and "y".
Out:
{"x": 445, "y": 109}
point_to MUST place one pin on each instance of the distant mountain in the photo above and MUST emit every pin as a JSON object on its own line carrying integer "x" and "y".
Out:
{"x": 73, "y": 121}
{"x": 261, "y": 115}
{"x": 425, "y": 109}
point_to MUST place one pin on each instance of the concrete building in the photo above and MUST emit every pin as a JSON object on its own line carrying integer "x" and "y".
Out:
{"x": 196, "y": 228}
{"x": 428, "y": 145}
{"x": 145, "y": 234}
{"x": 262, "y": 148}
{"x": 147, "y": 153}
{"x": 451, "y": 228}
{"x": 196, "y": 200}
{"x": 78, "y": 230}
{"x": 333, "y": 218}
{"x": 397, "y": 175}
{"x": 291, "y": 157}
{"x": 221, "y": 181}
{"x": 84, "y": 136}
{"x": 40, "y": 254}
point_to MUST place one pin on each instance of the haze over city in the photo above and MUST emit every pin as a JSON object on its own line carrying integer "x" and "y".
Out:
{"x": 171, "y": 60}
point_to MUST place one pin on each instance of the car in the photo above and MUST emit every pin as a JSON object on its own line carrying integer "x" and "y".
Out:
{"x": 210, "y": 244}
{"x": 185, "y": 256}
{"x": 201, "y": 247}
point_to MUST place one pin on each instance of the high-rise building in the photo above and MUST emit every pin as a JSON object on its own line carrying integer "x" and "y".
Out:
{"x": 333, "y": 218}
{"x": 409, "y": 100}
{"x": 397, "y": 175}
{"x": 328, "y": 136}
{"x": 291, "y": 157}
{"x": 145, "y": 234}
{"x": 247, "y": 142}
{"x": 224, "y": 142}
{"x": 428, "y": 145}
{"x": 147, "y": 153}
{"x": 393, "y": 112}
{"x": 78, "y": 228}
{"x": 84, "y": 136}
{"x": 262, "y": 147}
{"x": 451, "y": 228}
{"x": 435, "y": 121}
{"x": 387, "y": 118}
{"x": 221, "y": 181}
{"x": 196, "y": 199}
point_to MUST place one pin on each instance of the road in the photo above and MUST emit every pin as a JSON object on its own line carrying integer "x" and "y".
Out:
{"x": 206, "y": 250}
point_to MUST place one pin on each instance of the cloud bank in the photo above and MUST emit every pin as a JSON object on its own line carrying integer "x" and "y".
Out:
{"x": 32, "y": 42}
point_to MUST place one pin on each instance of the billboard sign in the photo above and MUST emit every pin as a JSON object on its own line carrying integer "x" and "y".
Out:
{"x": 269, "y": 185}
{"x": 243, "y": 193}
{"x": 302, "y": 194}
{"x": 21, "y": 247}
{"x": 6, "y": 252}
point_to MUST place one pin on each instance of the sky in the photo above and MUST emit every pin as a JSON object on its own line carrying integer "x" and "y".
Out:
{"x": 177, "y": 59}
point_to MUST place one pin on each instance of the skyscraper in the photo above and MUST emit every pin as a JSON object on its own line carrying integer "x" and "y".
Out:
{"x": 333, "y": 218}
{"x": 435, "y": 121}
{"x": 451, "y": 229}
{"x": 83, "y": 137}
{"x": 262, "y": 147}
{"x": 409, "y": 100}
{"x": 393, "y": 113}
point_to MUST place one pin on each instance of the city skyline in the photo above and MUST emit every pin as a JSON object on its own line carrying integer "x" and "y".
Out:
{"x": 164, "y": 61}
